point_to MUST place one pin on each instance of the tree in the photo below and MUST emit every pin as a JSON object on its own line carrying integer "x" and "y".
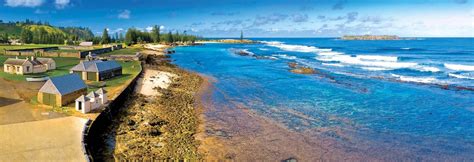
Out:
{"x": 241, "y": 35}
{"x": 129, "y": 36}
{"x": 105, "y": 37}
{"x": 169, "y": 38}
{"x": 155, "y": 34}
{"x": 26, "y": 36}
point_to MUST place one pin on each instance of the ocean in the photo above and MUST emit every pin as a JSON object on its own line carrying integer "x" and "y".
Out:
{"x": 416, "y": 94}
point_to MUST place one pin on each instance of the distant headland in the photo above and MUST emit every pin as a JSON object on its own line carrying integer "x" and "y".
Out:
{"x": 370, "y": 37}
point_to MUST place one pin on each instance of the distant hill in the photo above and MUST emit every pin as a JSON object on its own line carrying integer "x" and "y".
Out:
{"x": 370, "y": 37}
{"x": 14, "y": 29}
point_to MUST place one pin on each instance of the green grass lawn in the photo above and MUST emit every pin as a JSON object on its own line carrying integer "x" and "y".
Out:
{"x": 10, "y": 47}
{"x": 63, "y": 64}
{"x": 130, "y": 69}
{"x": 124, "y": 51}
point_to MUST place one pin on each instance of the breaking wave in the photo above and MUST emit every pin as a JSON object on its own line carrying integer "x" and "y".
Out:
{"x": 426, "y": 80}
{"x": 459, "y": 67}
{"x": 295, "y": 48}
{"x": 461, "y": 76}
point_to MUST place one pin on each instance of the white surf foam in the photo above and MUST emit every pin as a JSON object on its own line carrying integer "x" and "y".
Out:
{"x": 375, "y": 68}
{"x": 263, "y": 49}
{"x": 346, "y": 59}
{"x": 295, "y": 48}
{"x": 405, "y": 48}
{"x": 285, "y": 57}
{"x": 426, "y": 69}
{"x": 329, "y": 64}
{"x": 461, "y": 76}
{"x": 330, "y": 53}
{"x": 427, "y": 80}
{"x": 459, "y": 67}
{"x": 378, "y": 58}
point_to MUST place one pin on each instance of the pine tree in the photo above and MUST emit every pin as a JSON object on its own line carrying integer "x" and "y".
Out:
{"x": 105, "y": 37}
{"x": 170, "y": 38}
{"x": 155, "y": 34}
{"x": 241, "y": 36}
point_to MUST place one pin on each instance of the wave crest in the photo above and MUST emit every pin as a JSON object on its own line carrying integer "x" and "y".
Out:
{"x": 295, "y": 48}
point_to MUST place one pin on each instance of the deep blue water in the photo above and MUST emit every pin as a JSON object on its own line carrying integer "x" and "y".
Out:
{"x": 404, "y": 92}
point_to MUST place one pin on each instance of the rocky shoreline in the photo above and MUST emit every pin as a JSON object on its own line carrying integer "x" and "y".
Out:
{"x": 161, "y": 127}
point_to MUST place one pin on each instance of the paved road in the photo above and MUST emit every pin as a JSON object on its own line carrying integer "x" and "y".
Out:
{"x": 46, "y": 140}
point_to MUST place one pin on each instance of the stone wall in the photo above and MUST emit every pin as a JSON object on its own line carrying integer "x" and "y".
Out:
{"x": 29, "y": 51}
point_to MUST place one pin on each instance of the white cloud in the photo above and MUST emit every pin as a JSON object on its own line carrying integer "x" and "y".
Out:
{"x": 149, "y": 28}
{"x": 60, "y": 4}
{"x": 24, "y": 3}
{"x": 125, "y": 14}
{"x": 162, "y": 27}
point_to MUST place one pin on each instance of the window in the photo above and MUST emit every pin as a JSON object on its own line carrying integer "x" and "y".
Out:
{"x": 17, "y": 68}
{"x": 8, "y": 68}
{"x": 27, "y": 69}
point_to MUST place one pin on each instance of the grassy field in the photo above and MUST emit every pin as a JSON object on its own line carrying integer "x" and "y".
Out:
{"x": 62, "y": 67}
{"x": 125, "y": 51}
{"x": 10, "y": 47}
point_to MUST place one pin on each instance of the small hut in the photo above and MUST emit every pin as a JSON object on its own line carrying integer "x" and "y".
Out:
{"x": 60, "y": 91}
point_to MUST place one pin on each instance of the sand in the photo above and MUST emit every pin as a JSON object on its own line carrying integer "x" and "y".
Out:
{"x": 153, "y": 79}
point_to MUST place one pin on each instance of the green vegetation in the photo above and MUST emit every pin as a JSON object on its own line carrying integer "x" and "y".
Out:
{"x": 130, "y": 69}
{"x": 124, "y": 51}
{"x": 135, "y": 36}
{"x": 105, "y": 37}
{"x": 63, "y": 65}
{"x": 11, "y": 47}
{"x": 38, "y": 32}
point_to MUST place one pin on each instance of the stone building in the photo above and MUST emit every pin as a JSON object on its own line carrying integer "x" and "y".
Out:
{"x": 30, "y": 65}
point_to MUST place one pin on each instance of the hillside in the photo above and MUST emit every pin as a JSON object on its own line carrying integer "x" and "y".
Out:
{"x": 14, "y": 29}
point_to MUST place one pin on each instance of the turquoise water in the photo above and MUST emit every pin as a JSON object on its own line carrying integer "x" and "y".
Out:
{"x": 412, "y": 93}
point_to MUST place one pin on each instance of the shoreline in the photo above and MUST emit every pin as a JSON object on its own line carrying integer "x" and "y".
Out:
{"x": 158, "y": 126}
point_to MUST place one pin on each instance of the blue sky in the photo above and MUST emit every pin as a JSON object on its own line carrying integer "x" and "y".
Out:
{"x": 257, "y": 18}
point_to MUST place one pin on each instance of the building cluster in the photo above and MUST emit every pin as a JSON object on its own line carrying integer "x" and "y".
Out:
{"x": 71, "y": 88}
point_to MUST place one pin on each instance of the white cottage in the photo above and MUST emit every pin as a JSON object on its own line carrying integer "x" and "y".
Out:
{"x": 28, "y": 66}
{"x": 91, "y": 101}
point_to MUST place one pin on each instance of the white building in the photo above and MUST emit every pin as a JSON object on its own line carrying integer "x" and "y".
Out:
{"x": 92, "y": 101}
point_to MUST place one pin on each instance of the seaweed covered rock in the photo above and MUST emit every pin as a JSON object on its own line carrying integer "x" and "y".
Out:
{"x": 303, "y": 70}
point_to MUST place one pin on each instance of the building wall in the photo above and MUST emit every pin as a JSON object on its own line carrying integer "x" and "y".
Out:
{"x": 70, "y": 98}
{"x": 109, "y": 74}
{"x": 40, "y": 97}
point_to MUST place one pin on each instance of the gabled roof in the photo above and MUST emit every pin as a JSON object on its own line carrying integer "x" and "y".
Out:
{"x": 83, "y": 98}
{"x": 92, "y": 95}
{"x": 36, "y": 61}
{"x": 101, "y": 91}
{"x": 12, "y": 61}
{"x": 63, "y": 85}
{"x": 45, "y": 60}
{"x": 96, "y": 66}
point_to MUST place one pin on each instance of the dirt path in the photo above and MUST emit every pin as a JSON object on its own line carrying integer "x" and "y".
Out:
{"x": 14, "y": 106}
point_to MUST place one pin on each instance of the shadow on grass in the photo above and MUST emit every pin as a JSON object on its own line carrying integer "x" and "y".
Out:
{"x": 8, "y": 101}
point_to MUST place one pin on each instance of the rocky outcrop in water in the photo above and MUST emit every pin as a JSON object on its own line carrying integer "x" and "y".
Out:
{"x": 297, "y": 69}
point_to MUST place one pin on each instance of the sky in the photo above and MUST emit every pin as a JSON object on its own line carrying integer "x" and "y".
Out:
{"x": 256, "y": 18}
